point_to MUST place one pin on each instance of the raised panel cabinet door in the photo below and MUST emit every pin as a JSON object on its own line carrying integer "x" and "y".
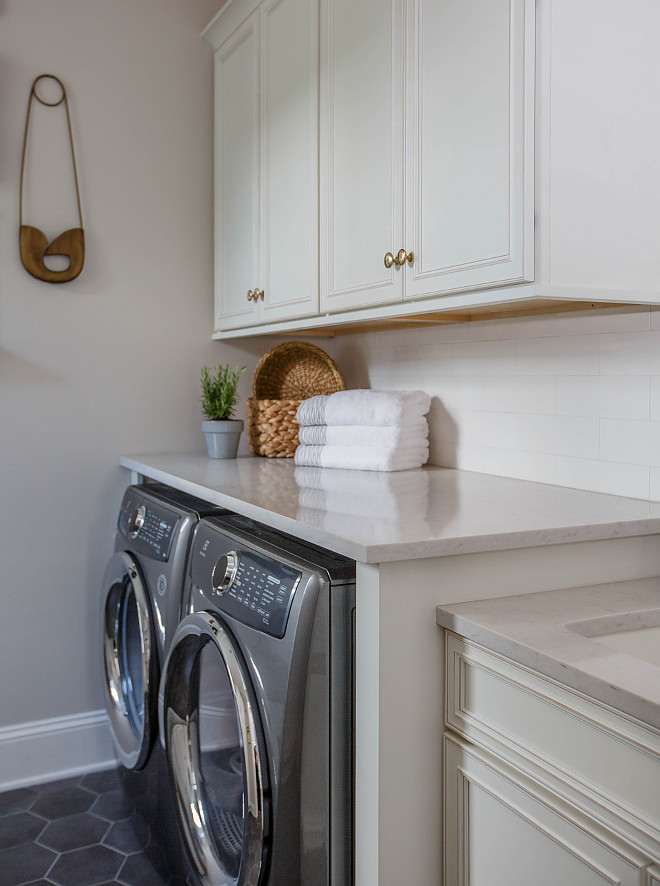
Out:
{"x": 289, "y": 154}
{"x": 361, "y": 152}
{"x": 237, "y": 176}
{"x": 654, "y": 875}
{"x": 501, "y": 829}
{"x": 469, "y": 144}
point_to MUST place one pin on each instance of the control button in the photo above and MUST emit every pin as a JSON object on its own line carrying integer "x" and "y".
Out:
{"x": 136, "y": 521}
{"x": 224, "y": 572}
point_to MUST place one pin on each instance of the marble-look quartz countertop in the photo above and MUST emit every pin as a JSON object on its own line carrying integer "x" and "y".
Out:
{"x": 377, "y": 517}
{"x": 566, "y": 635}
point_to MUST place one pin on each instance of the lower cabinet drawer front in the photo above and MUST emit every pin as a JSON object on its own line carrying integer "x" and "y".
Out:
{"x": 502, "y": 829}
{"x": 596, "y": 754}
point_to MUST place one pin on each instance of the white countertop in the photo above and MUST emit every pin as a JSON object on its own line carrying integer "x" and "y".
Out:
{"x": 542, "y": 631}
{"x": 377, "y": 517}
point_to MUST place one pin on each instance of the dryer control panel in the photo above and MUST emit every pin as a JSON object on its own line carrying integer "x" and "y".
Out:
{"x": 256, "y": 590}
{"x": 259, "y": 591}
{"x": 149, "y": 526}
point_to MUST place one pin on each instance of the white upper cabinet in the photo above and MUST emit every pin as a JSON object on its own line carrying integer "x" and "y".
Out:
{"x": 600, "y": 150}
{"x": 361, "y": 158}
{"x": 237, "y": 174}
{"x": 469, "y": 144}
{"x": 289, "y": 159}
{"x": 426, "y": 146}
{"x": 266, "y": 161}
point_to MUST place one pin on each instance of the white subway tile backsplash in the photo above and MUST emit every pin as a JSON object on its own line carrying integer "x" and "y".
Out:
{"x": 456, "y": 392}
{"x": 499, "y": 429}
{"x": 485, "y": 357}
{"x": 654, "y": 493}
{"x": 569, "y": 398}
{"x": 604, "y": 396}
{"x": 535, "y": 466}
{"x": 534, "y": 394}
{"x": 603, "y": 476}
{"x": 630, "y": 442}
{"x": 630, "y": 353}
{"x": 567, "y": 355}
{"x": 654, "y": 414}
{"x": 559, "y": 435}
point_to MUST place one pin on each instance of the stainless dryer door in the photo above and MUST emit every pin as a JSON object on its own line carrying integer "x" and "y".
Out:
{"x": 215, "y": 752}
{"x": 131, "y": 661}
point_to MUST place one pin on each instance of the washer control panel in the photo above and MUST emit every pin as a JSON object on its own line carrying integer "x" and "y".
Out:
{"x": 149, "y": 526}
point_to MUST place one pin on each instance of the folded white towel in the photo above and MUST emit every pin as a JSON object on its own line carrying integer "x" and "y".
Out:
{"x": 364, "y": 407}
{"x": 374, "y": 458}
{"x": 363, "y": 435}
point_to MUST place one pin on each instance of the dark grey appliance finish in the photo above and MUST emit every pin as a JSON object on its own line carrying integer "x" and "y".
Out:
{"x": 142, "y": 593}
{"x": 256, "y": 710}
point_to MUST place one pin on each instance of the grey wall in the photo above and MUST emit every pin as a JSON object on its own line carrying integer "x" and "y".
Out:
{"x": 108, "y": 363}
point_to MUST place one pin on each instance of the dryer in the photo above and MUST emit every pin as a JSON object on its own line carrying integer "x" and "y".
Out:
{"x": 142, "y": 592}
{"x": 256, "y": 710}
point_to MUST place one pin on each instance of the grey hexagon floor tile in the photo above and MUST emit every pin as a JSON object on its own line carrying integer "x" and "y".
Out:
{"x": 139, "y": 871}
{"x": 102, "y": 782}
{"x": 93, "y": 850}
{"x": 73, "y": 832}
{"x": 130, "y": 835}
{"x": 67, "y": 801}
{"x": 18, "y": 800}
{"x": 23, "y": 827}
{"x": 52, "y": 787}
{"x": 86, "y": 867}
{"x": 113, "y": 806}
{"x": 25, "y": 863}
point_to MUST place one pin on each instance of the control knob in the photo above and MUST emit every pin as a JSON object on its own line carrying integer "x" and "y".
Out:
{"x": 136, "y": 521}
{"x": 224, "y": 572}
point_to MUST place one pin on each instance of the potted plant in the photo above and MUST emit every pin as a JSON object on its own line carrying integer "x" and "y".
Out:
{"x": 219, "y": 397}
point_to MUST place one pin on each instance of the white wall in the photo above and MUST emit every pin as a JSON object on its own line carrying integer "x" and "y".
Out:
{"x": 110, "y": 362}
{"x": 570, "y": 399}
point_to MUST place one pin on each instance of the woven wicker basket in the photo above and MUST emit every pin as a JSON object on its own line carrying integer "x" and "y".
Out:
{"x": 285, "y": 376}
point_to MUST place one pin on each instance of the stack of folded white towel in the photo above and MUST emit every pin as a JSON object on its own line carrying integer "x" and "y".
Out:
{"x": 364, "y": 430}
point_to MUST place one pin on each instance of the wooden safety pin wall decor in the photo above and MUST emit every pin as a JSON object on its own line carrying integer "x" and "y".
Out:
{"x": 33, "y": 242}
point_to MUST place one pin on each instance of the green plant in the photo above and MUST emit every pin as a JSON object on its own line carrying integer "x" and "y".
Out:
{"x": 219, "y": 395}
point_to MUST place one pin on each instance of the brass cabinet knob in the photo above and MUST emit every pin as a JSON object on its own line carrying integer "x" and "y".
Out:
{"x": 255, "y": 295}
{"x": 250, "y": 295}
{"x": 402, "y": 257}
{"x": 389, "y": 259}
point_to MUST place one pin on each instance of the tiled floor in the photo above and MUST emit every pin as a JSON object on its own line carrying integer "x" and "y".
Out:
{"x": 78, "y": 832}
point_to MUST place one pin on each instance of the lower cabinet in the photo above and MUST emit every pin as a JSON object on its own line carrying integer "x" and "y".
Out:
{"x": 543, "y": 785}
{"x": 502, "y": 829}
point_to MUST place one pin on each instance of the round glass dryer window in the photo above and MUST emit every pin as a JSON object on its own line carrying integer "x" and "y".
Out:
{"x": 215, "y": 753}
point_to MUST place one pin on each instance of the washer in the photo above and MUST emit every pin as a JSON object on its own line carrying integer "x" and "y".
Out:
{"x": 256, "y": 711}
{"x": 142, "y": 593}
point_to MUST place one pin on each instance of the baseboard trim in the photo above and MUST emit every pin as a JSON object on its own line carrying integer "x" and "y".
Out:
{"x": 47, "y": 750}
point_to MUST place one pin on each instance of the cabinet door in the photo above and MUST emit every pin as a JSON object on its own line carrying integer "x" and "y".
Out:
{"x": 237, "y": 176}
{"x": 289, "y": 155}
{"x": 469, "y": 144}
{"x": 501, "y": 829}
{"x": 361, "y": 173}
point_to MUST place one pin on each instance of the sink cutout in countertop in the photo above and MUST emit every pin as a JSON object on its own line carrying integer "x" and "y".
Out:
{"x": 634, "y": 633}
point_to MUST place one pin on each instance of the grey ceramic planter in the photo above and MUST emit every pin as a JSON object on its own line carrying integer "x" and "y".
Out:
{"x": 222, "y": 437}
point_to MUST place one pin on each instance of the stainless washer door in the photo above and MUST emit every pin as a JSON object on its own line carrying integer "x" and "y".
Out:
{"x": 130, "y": 660}
{"x": 215, "y": 753}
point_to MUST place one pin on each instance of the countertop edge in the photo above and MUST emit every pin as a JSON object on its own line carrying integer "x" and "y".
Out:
{"x": 424, "y": 548}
